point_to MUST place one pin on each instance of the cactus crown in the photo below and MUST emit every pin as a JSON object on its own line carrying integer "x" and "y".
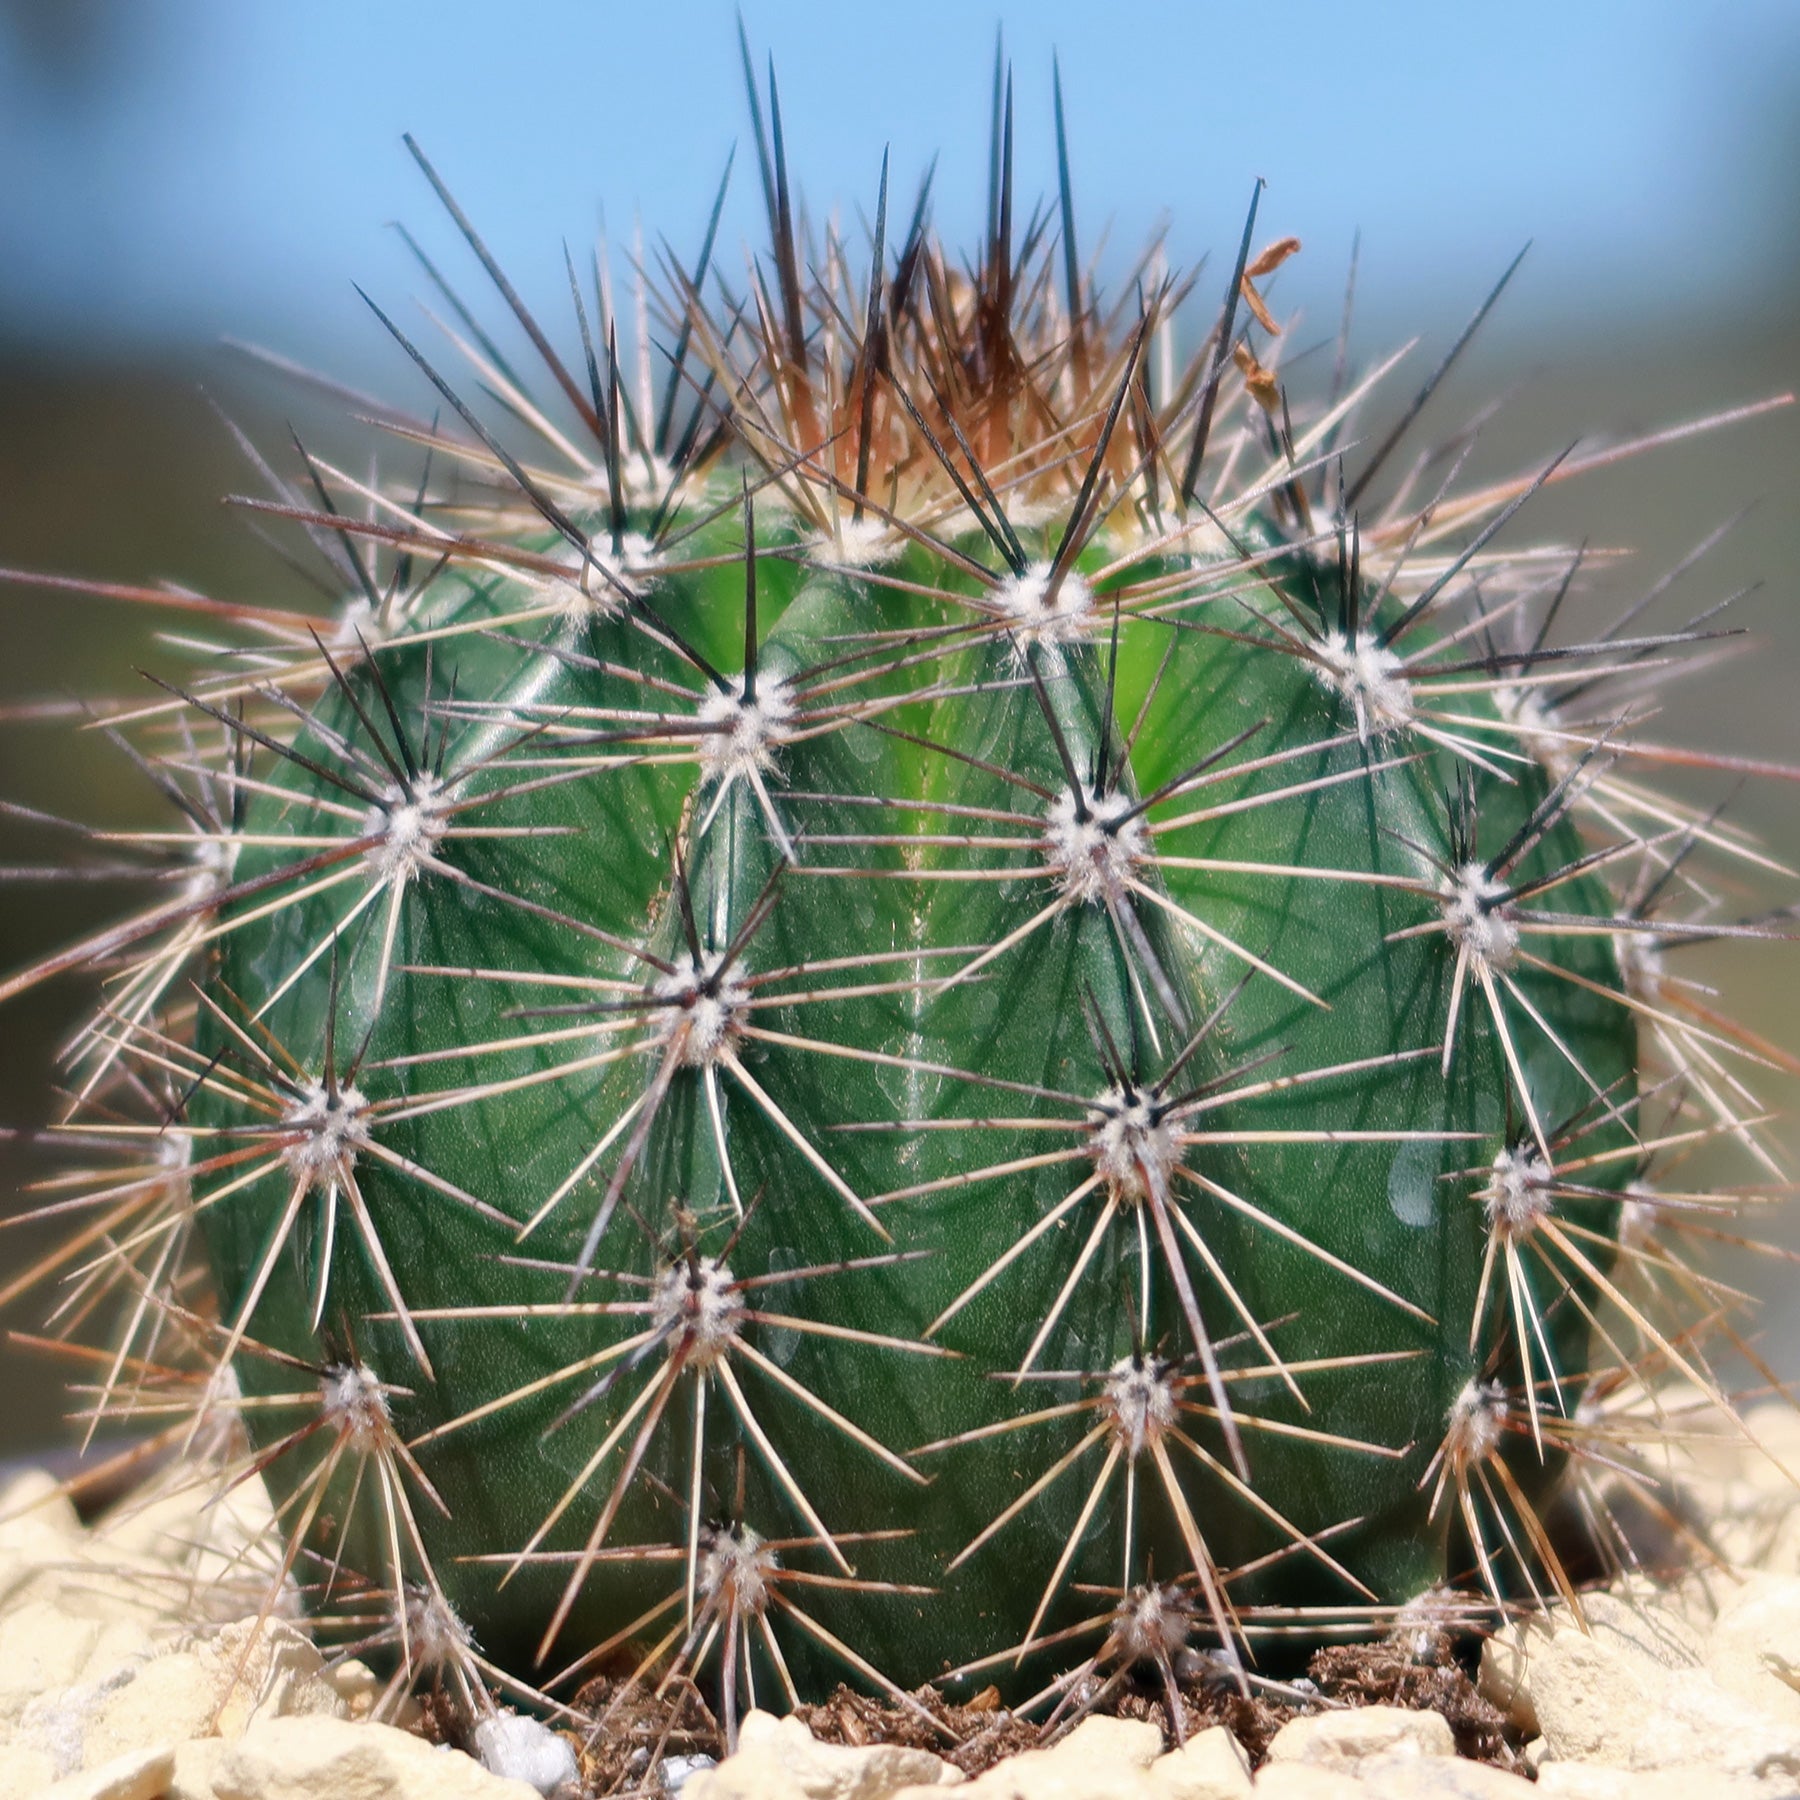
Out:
{"x": 931, "y": 1002}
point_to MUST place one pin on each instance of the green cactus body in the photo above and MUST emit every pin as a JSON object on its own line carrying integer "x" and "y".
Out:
{"x": 880, "y": 1033}
{"x": 832, "y": 1028}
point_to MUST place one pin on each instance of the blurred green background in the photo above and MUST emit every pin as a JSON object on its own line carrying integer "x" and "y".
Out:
{"x": 194, "y": 168}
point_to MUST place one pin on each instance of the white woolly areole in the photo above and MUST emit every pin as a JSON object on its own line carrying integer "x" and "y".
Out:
{"x": 1425, "y": 1623}
{"x": 744, "y": 738}
{"x": 335, "y": 1128}
{"x": 585, "y": 593}
{"x": 1139, "y": 1400}
{"x": 1638, "y": 1211}
{"x": 715, "y": 1006}
{"x": 214, "y": 863}
{"x": 1476, "y": 1418}
{"x": 864, "y": 543}
{"x": 1039, "y": 617}
{"x": 1642, "y": 969}
{"x": 736, "y": 1566}
{"x": 697, "y": 1304}
{"x": 1477, "y": 918}
{"x": 1133, "y": 1147}
{"x": 357, "y": 624}
{"x": 1370, "y": 678}
{"x": 1093, "y": 856}
{"x": 434, "y": 1629}
{"x": 1151, "y": 1623}
{"x": 1535, "y": 729}
{"x": 518, "y": 1748}
{"x": 351, "y": 1399}
{"x": 1517, "y": 1195}
{"x": 174, "y": 1152}
{"x": 408, "y": 828}
{"x": 644, "y": 477}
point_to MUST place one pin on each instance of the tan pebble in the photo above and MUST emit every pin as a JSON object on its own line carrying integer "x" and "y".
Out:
{"x": 192, "y": 1527}
{"x": 1101, "y": 1759}
{"x": 1598, "y": 1702}
{"x": 196, "y": 1762}
{"x": 265, "y": 1667}
{"x": 1211, "y": 1766}
{"x": 168, "y": 1700}
{"x": 1634, "y": 1619}
{"x": 780, "y": 1757}
{"x": 39, "y": 1535}
{"x": 1341, "y": 1740}
{"x": 1694, "y": 1781}
{"x": 1133, "y": 1742}
{"x": 1440, "y": 1778}
{"x": 141, "y": 1775}
{"x": 162, "y": 1521}
{"x": 1502, "y": 1679}
{"x": 1307, "y": 1781}
{"x": 1635, "y": 1629}
{"x": 1589, "y": 1700}
{"x": 1761, "y": 1621}
{"x": 332, "y": 1759}
{"x": 34, "y": 1509}
{"x": 1770, "y": 1445}
{"x": 122, "y": 1645}
{"x": 357, "y": 1685}
{"x": 24, "y": 1772}
{"x": 1632, "y": 1692}
{"x": 753, "y": 1776}
{"x": 41, "y": 1648}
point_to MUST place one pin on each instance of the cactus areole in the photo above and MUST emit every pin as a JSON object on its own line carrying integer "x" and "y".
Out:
{"x": 937, "y": 981}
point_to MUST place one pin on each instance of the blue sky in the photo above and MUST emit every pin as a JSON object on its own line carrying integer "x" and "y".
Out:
{"x": 212, "y": 166}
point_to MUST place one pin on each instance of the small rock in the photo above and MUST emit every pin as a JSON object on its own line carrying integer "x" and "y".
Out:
{"x": 781, "y": 1757}
{"x": 1343, "y": 1739}
{"x": 332, "y": 1759}
{"x": 24, "y": 1772}
{"x": 264, "y": 1668}
{"x": 1132, "y": 1743}
{"x": 510, "y": 1743}
{"x": 39, "y": 1534}
{"x": 68, "y": 1636}
{"x": 1742, "y": 1480}
{"x": 1753, "y": 1650}
{"x": 1210, "y": 1766}
{"x": 41, "y": 1649}
{"x": 168, "y": 1700}
{"x": 675, "y": 1772}
{"x": 1692, "y": 1781}
{"x": 189, "y": 1524}
{"x": 1308, "y": 1781}
{"x": 196, "y": 1762}
{"x": 1440, "y": 1778}
{"x": 356, "y": 1684}
{"x": 141, "y": 1775}
{"x": 38, "y": 1521}
{"x": 1101, "y": 1759}
{"x": 56, "y": 1720}
{"x": 1630, "y": 1694}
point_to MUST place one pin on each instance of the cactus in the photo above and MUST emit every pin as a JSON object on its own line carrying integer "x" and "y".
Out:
{"x": 939, "y": 967}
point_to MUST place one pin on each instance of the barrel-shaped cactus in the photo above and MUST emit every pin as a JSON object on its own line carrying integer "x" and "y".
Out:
{"x": 933, "y": 967}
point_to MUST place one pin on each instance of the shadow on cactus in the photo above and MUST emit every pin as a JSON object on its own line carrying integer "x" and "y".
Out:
{"x": 934, "y": 989}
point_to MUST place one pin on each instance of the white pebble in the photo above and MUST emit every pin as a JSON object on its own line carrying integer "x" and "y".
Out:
{"x": 673, "y": 1771}
{"x": 511, "y": 1744}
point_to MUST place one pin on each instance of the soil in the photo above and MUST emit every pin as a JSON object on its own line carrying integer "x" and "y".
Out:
{"x": 641, "y": 1730}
